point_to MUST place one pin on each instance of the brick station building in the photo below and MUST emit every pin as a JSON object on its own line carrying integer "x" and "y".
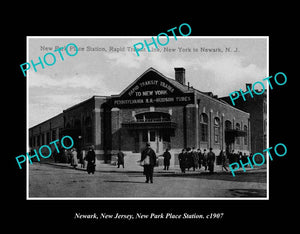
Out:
{"x": 154, "y": 108}
{"x": 256, "y": 106}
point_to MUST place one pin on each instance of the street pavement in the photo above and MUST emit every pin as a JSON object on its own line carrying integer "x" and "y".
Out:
{"x": 60, "y": 180}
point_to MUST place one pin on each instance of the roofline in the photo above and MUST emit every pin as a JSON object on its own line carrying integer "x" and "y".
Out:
{"x": 71, "y": 107}
{"x": 87, "y": 100}
{"x": 192, "y": 89}
{"x": 74, "y": 106}
{"x": 130, "y": 85}
{"x": 217, "y": 100}
{"x": 46, "y": 121}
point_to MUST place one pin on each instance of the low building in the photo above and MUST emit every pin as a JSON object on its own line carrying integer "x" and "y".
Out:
{"x": 154, "y": 108}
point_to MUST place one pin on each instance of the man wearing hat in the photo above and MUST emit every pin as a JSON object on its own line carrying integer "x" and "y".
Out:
{"x": 148, "y": 160}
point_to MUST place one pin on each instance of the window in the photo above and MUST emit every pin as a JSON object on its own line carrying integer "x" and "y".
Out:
{"x": 42, "y": 138}
{"x": 77, "y": 124}
{"x": 47, "y": 137}
{"x": 238, "y": 127}
{"x": 217, "y": 130}
{"x": 152, "y": 117}
{"x": 60, "y": 130}
{"x": 54, "y": 135}
{"x": 246, "y": 136}
{"x": 88, "y": 130}
{"x": 152, "y": 135}
{"x": 227, "y": 125}
{"x": 204, "y": 127}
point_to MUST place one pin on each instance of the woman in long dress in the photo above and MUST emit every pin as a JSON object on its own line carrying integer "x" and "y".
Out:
{"x": 91, "y": 160}
{"x": 74, "y": 160}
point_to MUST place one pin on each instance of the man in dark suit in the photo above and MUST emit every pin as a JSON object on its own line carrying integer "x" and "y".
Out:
{"x": 211, "y": 157}
{"x": 167, "y": 158}
{"x": 120, "y": 158}
{"x": 148, "y": 157}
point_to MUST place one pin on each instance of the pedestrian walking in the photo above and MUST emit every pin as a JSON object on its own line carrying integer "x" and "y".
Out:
{"x": 223, "y": 160}
{"x": 167, "y": 157}
{"x": 67, "y": 155}
{"x": 200, "y": 158}
{"x": 91, "y": 160}
{"x": 211, "y": 157}
{"x": 120, "y": 158}
{"x": 60, "y": 157}
{"x": 182, "y": 160}
{"x": 148, "y": 161}
{"x": 244, "y": 159}
{"x": 189, "y": 159}
{"x": 240, "y": 156}
{"x": 81, "y": 159}
{"x": 205, "y": 159}
{"x": 55, "y": 156}
{"x": 195, "y": 159}
{"x": 74, "y": 160}
{"x": 233, "y": 158}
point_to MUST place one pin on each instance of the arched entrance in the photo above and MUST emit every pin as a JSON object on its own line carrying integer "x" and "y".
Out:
{"x": 153, "y": 127}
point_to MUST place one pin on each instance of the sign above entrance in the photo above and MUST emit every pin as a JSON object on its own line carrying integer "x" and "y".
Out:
{"x": 143, "y": 101}
{"x": 152, "y": 89}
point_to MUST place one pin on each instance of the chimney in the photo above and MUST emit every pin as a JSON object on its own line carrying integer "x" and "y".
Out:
{"x": 180, "y": 75}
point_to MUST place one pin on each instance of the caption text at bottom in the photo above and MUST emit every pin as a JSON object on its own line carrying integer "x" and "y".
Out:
{"x": 149, "y": 216}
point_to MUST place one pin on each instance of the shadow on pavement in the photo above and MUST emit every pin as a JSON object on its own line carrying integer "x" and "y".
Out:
{"x": 240, "y": 176}
{"x": 248, "y": 192}
{"x": 259, "y": 177}
{"x": 124, "y": 181}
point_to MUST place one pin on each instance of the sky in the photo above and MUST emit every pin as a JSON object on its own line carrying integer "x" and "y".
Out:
{"x": 113, "y": 65}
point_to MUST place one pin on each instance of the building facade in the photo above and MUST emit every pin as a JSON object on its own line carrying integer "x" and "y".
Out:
{"x": 154, "y": 108}
{"x": 256, "y": 106}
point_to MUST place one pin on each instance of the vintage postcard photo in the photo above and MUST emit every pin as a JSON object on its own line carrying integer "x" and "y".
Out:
{"x": 106, "y": 122}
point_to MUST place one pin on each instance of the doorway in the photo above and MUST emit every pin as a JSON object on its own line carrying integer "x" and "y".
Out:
{"x": 154, "y": 137}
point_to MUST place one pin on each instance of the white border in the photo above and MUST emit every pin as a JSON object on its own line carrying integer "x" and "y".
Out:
{"x": 141, "y": 198}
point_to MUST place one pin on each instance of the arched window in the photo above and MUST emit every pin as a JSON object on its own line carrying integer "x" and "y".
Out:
{"x": 228, "y": 125}
{"x": 246, "y": 136}
{"x": 154, "y": 116}
{"x": 238, "y": 127}
{"x": 217, "y": 130}
{"x": 204, "y": 127}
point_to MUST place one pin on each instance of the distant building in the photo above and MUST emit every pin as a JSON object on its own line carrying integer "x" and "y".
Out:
{"x": 154, "y": 108}
{"x": 257, "y": 107}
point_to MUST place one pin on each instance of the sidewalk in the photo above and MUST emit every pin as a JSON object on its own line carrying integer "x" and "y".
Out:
{"x": 105, "y": 167}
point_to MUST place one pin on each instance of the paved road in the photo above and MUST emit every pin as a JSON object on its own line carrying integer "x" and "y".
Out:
{"x": 55, "y": 181}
